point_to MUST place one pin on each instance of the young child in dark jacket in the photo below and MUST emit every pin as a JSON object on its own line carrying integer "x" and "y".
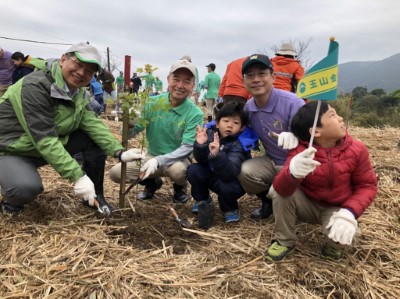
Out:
{"x": 331, "y": 183}
{"x": 220, "y": 151}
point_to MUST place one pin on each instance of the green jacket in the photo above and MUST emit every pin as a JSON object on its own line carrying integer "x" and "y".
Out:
{"x": 38, "y": 114}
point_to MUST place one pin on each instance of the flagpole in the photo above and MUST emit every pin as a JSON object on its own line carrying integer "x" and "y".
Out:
{"x": 315, "y": 124}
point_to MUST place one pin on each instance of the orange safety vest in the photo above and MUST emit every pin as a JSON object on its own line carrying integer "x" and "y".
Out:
{"x": 288, "y": 72}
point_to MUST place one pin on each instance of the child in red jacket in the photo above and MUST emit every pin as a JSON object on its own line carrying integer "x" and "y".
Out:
{"x": 331, "y": 183}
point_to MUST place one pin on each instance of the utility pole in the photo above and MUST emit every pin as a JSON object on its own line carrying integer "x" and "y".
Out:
{"x": 108, "y": 59}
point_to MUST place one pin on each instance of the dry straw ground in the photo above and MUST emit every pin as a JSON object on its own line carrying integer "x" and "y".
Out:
{"x": 58, "y": 249}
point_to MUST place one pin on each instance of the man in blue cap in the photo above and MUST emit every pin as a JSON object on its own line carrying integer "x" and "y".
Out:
{"x": 270, "y": 113}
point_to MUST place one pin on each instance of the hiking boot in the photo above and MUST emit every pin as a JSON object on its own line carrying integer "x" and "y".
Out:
{"x": 195, "y": 208}
{"x": 232, "y": 216}
{"x": 151, "y": 186}
{"x": 264, "y": 211}
{"x": 206, "y": 213}
{"x": 180, "y": 195}
{"x": 332, "y": 252}
{"x": 277, "y": 252}
{"x": 9, "y": 209}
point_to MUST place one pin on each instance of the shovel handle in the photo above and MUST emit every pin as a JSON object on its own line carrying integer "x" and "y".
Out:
{"x": 174, "y": 212}
{"x": 96, "y": 203}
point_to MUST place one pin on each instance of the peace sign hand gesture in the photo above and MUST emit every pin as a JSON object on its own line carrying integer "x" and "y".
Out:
{"x": 201, "y": 135}
{"x": 214, "y": 146}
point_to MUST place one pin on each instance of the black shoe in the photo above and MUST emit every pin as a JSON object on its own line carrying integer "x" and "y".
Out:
{"x": 264, "y": 211}
{"x": 206, "y": 213}
{"x": 10, "y": 209}
{"x": 180, "y": 195}
{"x": 152, "y": 185}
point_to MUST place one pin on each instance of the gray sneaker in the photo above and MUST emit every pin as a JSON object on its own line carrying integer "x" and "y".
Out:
{"x": 206, "y": 213}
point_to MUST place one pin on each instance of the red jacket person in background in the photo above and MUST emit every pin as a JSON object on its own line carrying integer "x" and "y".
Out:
{"x": 287, "y": 68}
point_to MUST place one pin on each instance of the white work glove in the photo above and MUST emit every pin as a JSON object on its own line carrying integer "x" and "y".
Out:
{"x": 149, "y": 168}
{"x": 84, "y": 188}
{"x": 132, "y": 154}
{"x": 287, "y": 140}
{"x": 343, "y": 226}
{"x": 303, "y": 164}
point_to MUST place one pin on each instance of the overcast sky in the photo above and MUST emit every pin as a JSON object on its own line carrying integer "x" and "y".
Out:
{"x": 159, "y": 32}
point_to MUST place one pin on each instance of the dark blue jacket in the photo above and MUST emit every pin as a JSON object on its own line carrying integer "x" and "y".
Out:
{"x": 227, "y": 163}
{"x": 21, "y": 71}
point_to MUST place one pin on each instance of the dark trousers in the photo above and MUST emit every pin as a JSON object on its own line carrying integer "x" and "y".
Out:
{"x": 19, "y": 179}
{"x": 203, "y": 179}
{"x": 99, "y": 99}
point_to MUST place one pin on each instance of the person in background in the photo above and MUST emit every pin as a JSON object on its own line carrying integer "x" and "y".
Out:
{"x": 97, "y": 91}
{"x": 170, "y": 120}
{"x": 288, "y": 70}
{"x": 120, "y": 82}
{"x": 45, "y": 119}
{"x": 136, "y": 82}
{"x": 6, "y": 70}
{"x": 107, "y": 80}
{"x": 148, "y": 81}
{"x": 212, "y": 82}
{"x": 159, "y": 85}
{"x": 219, "y": 154}
{"x": 22, "y": 67}
{"x": 331, "y": 183}
{"x": 270, "y": 113}
{"x": 196, "y": 91}
{"x": 232, "y": 88}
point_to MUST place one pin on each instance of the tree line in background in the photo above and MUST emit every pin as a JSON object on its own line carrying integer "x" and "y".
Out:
{"x": 369, "y": 109}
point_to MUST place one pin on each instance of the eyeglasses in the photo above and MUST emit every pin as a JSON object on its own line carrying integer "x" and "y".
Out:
{"x": 261, "y": 74}
{"x": 89, "y": 71}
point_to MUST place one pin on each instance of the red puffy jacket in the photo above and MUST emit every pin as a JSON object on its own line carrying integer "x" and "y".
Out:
{"x": 344, "y": 179}
{"x": 288, "y": 72}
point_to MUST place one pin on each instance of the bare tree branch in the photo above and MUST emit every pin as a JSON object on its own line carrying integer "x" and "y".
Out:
{"x": 301, "y": 47}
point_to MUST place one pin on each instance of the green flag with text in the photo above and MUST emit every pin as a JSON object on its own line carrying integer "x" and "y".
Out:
{"x": 320, "y": 81}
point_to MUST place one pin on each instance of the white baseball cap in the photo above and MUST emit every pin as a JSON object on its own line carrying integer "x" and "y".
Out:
{"x": 183, "y": 64}
{"x": 86, "y": 53}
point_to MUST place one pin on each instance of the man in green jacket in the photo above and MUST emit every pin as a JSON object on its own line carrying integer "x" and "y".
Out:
{"x": 45, "y": 120}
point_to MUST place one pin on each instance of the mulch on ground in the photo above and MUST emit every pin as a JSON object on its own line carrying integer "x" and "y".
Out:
{"x": 57, "y": 248}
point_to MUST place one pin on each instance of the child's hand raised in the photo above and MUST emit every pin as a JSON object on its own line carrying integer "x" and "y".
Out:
{"x": 201, "y": 135}
{"x": 214, "y": 146}
{"x": 303, "y": 163}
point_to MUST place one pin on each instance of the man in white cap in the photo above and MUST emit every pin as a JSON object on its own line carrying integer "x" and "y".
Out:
{"x": 170, "y": 120}
{"x": 288, "y": 70}
{"x": 45, "y": 119}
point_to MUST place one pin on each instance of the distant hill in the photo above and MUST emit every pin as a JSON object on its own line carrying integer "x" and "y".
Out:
{"x": 383, "y": 74}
